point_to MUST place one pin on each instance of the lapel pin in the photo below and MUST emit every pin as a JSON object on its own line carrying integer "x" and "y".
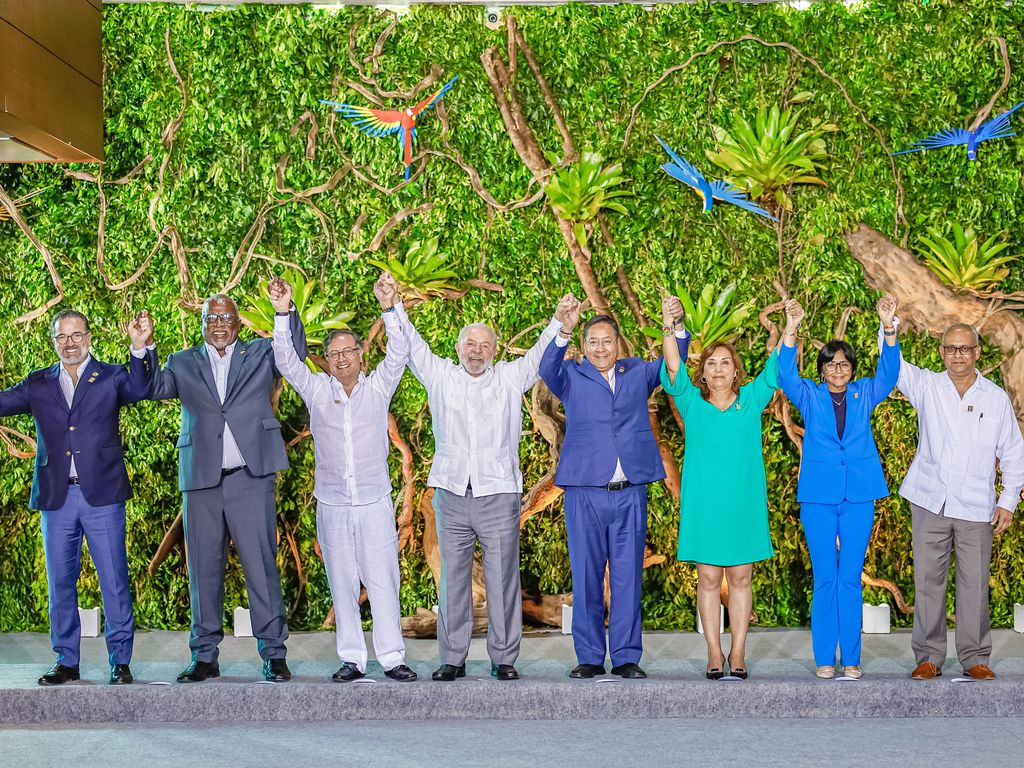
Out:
{"x": 622, "y": 369}
{"x": 737, "y": 406}
{"x": 856, "y": 395}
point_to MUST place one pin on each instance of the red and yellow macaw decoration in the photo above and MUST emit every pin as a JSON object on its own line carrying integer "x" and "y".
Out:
{"x": 384, "y": 122}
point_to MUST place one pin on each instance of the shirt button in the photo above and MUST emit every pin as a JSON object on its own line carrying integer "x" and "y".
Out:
{"x": 841, "y": 448}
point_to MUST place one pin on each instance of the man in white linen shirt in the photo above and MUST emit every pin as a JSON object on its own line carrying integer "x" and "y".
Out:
{"x": 966, "y": 424}
{"x": 477, "y": 419}
{"x": 355, "y": 519}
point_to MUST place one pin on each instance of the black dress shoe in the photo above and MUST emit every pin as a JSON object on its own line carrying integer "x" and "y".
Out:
{"x": 347, "y": 673}
{"x": 585, "y": 671}
{"x": 198, "y": 671}
{"x": 120, "y": 674}
{"x": 276, "y": 671}
{"x": 58, "y": 674}
{"x": 504, "y": 672}
{"x": 401, "y": 673}
{"x": 629, "y": 671}
{"x": 448, "y": 672}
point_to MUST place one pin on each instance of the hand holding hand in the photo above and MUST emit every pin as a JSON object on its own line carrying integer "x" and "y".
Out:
{"x": 568, "y": 312}
{"x": 385, "y": 289}
{"x": 886, "y": 308}
{"x": 671, "y": 310}
{"x": 280, "y": 293}
{"x": 140, "y": 330}
{"x": 794, "y": 315}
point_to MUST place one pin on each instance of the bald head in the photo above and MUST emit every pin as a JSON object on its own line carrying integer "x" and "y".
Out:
{"x": 961, "y": 328}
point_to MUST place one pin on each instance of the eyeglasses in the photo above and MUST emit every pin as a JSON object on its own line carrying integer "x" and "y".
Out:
{"x": 224, "y": 317}
{"x": 959, "y": 349}
{"x": 337, "y": 354}
{"x": 76, "y": 337}
{"x": 838, "y": 365}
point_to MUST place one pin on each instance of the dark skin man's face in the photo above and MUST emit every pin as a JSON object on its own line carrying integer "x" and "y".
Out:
{"x": 223, "y": 331}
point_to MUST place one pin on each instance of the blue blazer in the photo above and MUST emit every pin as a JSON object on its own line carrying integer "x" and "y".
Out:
{"x": 89, "y": 429}
{"x": 834, "y": 470}
{"x": 601, "y": 427}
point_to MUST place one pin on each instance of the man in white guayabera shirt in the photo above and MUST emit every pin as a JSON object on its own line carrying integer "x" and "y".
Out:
{"x": 477, "y": 418}
{"x": 966, "y": 425}
{"x": 355, "y": 519}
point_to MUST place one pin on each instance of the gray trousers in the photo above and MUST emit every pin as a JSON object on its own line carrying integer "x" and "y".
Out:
{"x": 494, "y": 522}
{"x": 934, "y": 537}
{"x": 242, "y": 509}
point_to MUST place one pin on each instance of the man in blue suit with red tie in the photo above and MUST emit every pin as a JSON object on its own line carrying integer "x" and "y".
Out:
{"x": 81, "y": 484}
{"x": 608, "y": 457}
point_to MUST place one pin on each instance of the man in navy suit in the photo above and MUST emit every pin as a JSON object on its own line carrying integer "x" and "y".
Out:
{"x": 608, "y": 457}
{"x": 80, "y": 482}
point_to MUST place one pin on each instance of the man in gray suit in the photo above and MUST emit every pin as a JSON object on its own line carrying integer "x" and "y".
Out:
{"x": 229, "y": 452}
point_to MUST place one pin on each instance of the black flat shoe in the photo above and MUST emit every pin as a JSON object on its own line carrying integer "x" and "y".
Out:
{"x": 58, "y": 674}
{"x": 448, "y": 672}
{"x": 401, "y": 673}
{"x": 120, "y": 674}
{"x": 714, "y": 674}
{"x": 586, "y": 671}
{"x": 276, "y": 671}
{"x": 629, "y": 671}
{"x": 504, "y": 672}
{"x": 348, "y": 672}
{"x": 198, "y": 671}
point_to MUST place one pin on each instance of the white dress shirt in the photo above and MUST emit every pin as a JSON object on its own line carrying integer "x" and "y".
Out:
{"x": 959, "y": 442}
{"x": 350, "y": 432}
{"x": 477, "y": 420}
{"x": 232, "y": 456}
{"x": 67, "y": 386}
{"x": 618, "y": 475}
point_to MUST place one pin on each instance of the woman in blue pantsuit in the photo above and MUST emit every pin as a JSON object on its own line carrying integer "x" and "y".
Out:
{"x": 840, "y": 479}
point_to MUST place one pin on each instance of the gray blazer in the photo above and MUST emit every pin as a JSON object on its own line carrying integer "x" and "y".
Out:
{"x": 187, "y": 377}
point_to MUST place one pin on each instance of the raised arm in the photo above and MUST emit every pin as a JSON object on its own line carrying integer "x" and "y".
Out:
{"x": 142, "y": 361}
{"x": 526, "y": 368}
{"x": 286, "y": 357}
{"x": 798, "y": 390}
{"x": 424, "y": 364}
{"x": 551, "y": 368}
{"x": 675, "y": 341}
{"x": 392, "y": 367}
{"x": 888, "y": 370}
{"x": 767, "y": 381}
{"x": 910, "y": 379}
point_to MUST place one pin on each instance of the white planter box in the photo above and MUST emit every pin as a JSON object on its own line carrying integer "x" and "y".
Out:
{"x": 721, "y": 621}
{"x": 90, "y": 619}
{"x": 243, "y": 624}
{"x": 876, "y": 619}
{"x": 566, "y": 619}
{"x": 1018, "y": 617}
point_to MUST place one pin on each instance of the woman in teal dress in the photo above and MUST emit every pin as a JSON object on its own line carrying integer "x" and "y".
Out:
{"x": 723, "y": 520}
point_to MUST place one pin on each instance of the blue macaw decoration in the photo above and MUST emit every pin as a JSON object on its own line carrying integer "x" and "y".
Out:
{"x": 717, "y": 190}
{"x": 996, "y": 128}
{"x": 384, "y": 122}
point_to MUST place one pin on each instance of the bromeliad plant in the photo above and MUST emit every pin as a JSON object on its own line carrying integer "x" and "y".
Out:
{"x": 260, "y": 312}
{"x": 421, "y": 273}
{"x": 581, "y": 191}
{"x": 711, "y": 319}
{"x": 964, "y": 262}
{"x": 770, "y": 156}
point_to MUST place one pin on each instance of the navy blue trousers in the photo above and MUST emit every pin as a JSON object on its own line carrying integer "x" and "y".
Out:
{"x": 606, "y": 527}
{"x": 104, "y": 529}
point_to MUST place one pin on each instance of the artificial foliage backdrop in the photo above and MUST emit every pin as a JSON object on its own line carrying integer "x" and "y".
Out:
{"x": 223, "y": 168}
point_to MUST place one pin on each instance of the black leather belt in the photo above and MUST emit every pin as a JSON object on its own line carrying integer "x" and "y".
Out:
{"x": 619, "y": 486}
{"x": 231, "y": 470}
{"x": 73, "y": 481}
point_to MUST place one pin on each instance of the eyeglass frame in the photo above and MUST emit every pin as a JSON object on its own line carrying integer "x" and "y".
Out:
{"x": 62, "y": 338}
{"x": 961, "y": 350}
{"x": 213, "y": 318}
{"x": 348, "y": 353}
{"x": 837, "y": 365}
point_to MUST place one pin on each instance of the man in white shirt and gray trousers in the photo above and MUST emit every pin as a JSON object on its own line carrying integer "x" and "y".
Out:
{"x": 966, "y": 425}
{"x": 355, "y": 519}
{"x": 477, "y": 419}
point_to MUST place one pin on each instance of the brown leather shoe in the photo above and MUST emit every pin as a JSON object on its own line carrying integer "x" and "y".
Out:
{"x": 925, "y": 671}
{"x": 980, "y": 672}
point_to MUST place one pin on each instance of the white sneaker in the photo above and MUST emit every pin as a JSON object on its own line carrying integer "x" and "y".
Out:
{"x": 826, "y": 672}
{"x": 853, "y": 671}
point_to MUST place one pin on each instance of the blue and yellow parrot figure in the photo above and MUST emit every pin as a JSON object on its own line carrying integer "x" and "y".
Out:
{"x": 383, "y": 122}
{"x": 996, "y": 128}
{"x": 716, "y": 190}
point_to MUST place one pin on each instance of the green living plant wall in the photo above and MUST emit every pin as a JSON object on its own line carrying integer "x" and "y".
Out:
{"x": 251, "y": 79}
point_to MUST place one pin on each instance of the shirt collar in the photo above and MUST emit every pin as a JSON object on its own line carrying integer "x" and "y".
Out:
{"x": 211, "y": 352}
{"x": 81, "y": 366}
{"x": 339, "y": 388}
{"x": 978, "y": 378}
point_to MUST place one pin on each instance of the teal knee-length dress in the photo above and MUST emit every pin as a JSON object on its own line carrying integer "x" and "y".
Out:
{"x": 723, "y": 518}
